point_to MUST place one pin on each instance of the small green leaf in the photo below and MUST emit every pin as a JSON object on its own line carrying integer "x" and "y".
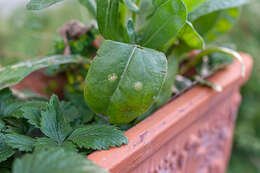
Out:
{"x": 33, "y": 112}
{"x": 131, "y": 31}
{"x": 215, "y": 5}
{"x": 20, "y": 142}
{"x": 14, "y": 74}
{"x": 90, "y": 5}
{"x": 108, "y": 18}
{"x": 124, "y": 81}
{"x": 46, "y": 143}
{"x": 164, "y": 24}
{"x": 166, "y": 92}
{"x": 193, "y": 4}
{"x": 53, "y": 121}
{"x": 190, "y": 36}
{"x": 131, "y": 5}
{"x": 5, "y": 150}
{"x": 41, "y": 4}
{"x": 98, "y": 137}
{"x": 55, "y": 161}
{"x": 2, "y": 125}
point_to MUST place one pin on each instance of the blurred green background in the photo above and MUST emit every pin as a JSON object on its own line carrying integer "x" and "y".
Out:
{"x": 24, "y": 35}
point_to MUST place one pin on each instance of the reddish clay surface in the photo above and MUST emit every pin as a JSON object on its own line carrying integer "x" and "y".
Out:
{"x": 191, "y": 134}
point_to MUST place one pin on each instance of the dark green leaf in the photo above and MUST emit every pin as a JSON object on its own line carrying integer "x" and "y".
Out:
{"x": 5, "y": 150}
{"x": 98, "y": 137}
{"x": 2, "y": 125}
{"x": 215, "y": 5}
{"x": 13, "y": 74}
{"x": 164, "y": 25}
{"x": 20, "y": 142}
{"x": 33, "y": 112}
{"x": 124, "y": 81}
{"x": 108, "y": 18}
{"x": 90, "y": 5}
{"x": 53, "y": 121}
{"x": 55, "y": 161}
{"x": 190, "y": 36}
{"x": 46, "y": 143}
{"x": 193, "y": 4}
{"x": 41, "y": 4}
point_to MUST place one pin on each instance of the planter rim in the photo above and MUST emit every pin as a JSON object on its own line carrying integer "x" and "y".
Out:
{"x": 142, "y": 136}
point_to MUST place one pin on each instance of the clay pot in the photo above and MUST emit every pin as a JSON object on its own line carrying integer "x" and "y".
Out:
{"x": 191, "y": 134}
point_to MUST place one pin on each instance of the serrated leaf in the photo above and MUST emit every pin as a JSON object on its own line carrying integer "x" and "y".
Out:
{"x": 53, "y": 121}
{"x": 55, "y": 161}
{"x": 33, "y": 112}
{"x": 108, "y": 18}
{"x": 164, "y": 24}
{"x": 5, "y": 150}
{"x": 13, "y": 74}
{"x": 98, "y": 137}
{"x": 69, "y": 112}
{"x": 90, "y": 5}
{"x": 20, "y": 142}
{"x": 191, "y": 37}
{"x": 193, "y": 4}
{"x": 41, "y": 4}
{"x": 124, "y": 81}
{"x": 212, "y": 5}
{"x": 46, "y": 143}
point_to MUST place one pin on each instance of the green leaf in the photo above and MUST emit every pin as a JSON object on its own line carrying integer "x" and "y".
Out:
{"x": 193, "y": 4}
{"x": 20, "y": 142}
{"x": 90, "y": 5}
{"x": 164, "y": 25}
{"x": 131, "y": 31}
{"x": 215, "y": 5}
{"x": 5, "y": 150}
{"x": 166, "y": 92}
{"x": 98, "y": 137}
{"x": 131, "y": 5}
{"x": 55, "y": 161}
{"x": 108, "y": 18}
{"x": 190, "y": 36}
{"x": 2, "y": 125}
{"x": 124, "y": 81}
{"x": 46, "y": 143}
{"x": 53, "y": 122}
{"x": 41, "y": 4}
{"x": 33, "y": 112}
{"x": 11, "y": 75}
{"x": 217, "y": 23}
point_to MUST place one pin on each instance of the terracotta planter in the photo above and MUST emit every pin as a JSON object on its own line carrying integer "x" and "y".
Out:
{"x": 191, "y": 134}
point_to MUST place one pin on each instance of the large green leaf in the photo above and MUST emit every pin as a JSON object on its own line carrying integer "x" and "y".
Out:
{"x": 20, "y": 142}
{"x": 98, "y": 137}
{"x": 214, "y": 24}
{"x": 215, "y": 5}
{"x": 5, "y": 150}
{"x": 55, "y": 161}
{"x": 11, "y": 75}
{"x": 40, "y": 4}
{"x": 193, "y": 4}
{"x": 53, "y": 122}
{"x": 108, "y": 18}
{"x": 124, "y": 81}
{"x": 164, "y": 25}
{"x": 190, "y": 36}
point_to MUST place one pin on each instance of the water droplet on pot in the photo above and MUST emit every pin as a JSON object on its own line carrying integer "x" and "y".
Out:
{"x": 138, "y": 86}
{"x": 112, "y": 77}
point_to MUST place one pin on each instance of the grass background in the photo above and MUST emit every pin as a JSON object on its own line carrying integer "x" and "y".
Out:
{"x": 25, "y": 35}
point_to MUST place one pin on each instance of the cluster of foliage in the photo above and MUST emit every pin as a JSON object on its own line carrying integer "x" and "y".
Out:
{"x": 246, "y": 153}
{"x": 132, "y": 75}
